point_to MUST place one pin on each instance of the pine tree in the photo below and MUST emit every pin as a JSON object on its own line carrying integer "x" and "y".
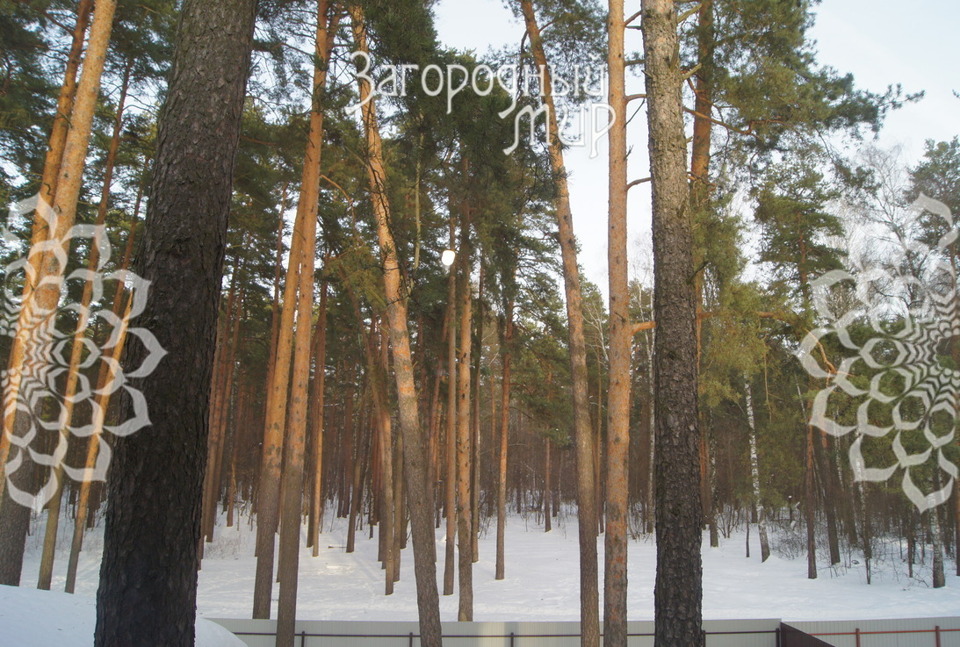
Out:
{"x": 153, "y": 510}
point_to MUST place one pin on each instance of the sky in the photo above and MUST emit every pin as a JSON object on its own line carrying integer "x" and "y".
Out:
{"x": 881, "y": 42}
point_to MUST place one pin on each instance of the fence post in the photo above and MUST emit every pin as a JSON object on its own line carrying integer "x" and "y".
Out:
{"x": 936, "y": 632}
{"x": 511, "y": 639}
{"x": 303, "y": 638}
{"x": 856, "y": 635}
{"x": 410, "y": 643}
{"x": 777, "y": 634}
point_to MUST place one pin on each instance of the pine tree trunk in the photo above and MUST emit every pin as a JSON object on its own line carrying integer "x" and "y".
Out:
{"x": 464, "y": 516}
{"x": 861, "y": 497}
{"x": 450, "y": 485}
{"x": 121, "y": 303}
{"x": 583, "y": 434}
{"x": 221, "y": 391}
{"x": 809, "y": 505}
{"x": 153, "y": 512}
{"x": 379, "y": 369}
{"x": 419, "y": 494}
{"x": 507, "y": 366}
{"x": 700, "y": 156}
{"x": 829, "y": 499}
{"x": 547, "y": 485}
{"x": 755, "y": 473}
{"x": 269, "y": 490}
{"x": 476, "y": 356}
{"x": 294, "y": 445}
{"x": 42, "y": 301}
{"x": 678, "y": 589}
{"x": 70, "y": 388}
{"x": 317, "y": 403}
{"x": 619, "y": 352}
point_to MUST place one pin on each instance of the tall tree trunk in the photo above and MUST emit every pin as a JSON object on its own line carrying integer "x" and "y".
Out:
{"x": 936, "y": 533}
{"x": 506, "y": 353}
{"x": 221, "y": 392}
{"x": 122, "y": 303}
{"x": 379, "y": 369}
{"x": 269, "y": 490}
{"x": 464, "y": 516}
{"x": 61, "y": 118}
{"x": 40, "y": 299}
{"x": 827, "y": 476}
{"x": 294, "y": 445}
{"x": 70, "y": 388}
{"x": 619, "y": 353}
{"x": 476, "y": 357}
{"x": 700, "y": 156}
{"x": 810, "y": 504}
{"x": 153, "y": 511}
{"x": 547, "y": 487}
{"x": 419, "y": 493}
{"x": 583, "y": 434}
{"x": 450, "y": 485}
{"x": 317, "y": 403}
{"x": 755, "y": 472}
{"x": 359, "y": 473}
{"x": 679, "y": 588}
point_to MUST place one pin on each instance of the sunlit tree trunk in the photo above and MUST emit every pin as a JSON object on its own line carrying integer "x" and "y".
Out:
{"x": 450, "y": 485}
{"x": 464, "y": 516}
{"x": 14, "y": 518}
{"x": 620, "y": 346}
{"x": 583, "y": 434}
{"x": 121, "y": 304}
{"x": 76, "y": 351}
{"x": 294, "y": 444}
{"x": 317, "y": 403}
{"x": 506, "y": 354}
{"x": 419, "y": 493}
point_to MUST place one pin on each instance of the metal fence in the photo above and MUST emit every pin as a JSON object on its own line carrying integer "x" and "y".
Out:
{"x": 261, "y": 633}
{"x": 920, "y": 632}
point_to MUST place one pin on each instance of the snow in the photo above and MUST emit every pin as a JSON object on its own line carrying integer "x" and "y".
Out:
{"x": 32, "y": 618}
{"x": 542, "y": 578}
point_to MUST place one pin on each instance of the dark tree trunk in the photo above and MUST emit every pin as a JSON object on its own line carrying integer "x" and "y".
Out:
{"x": 679, "y": 588}
{"x": 148, "y": 578}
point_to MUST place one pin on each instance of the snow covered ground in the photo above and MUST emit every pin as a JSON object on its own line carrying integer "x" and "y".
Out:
{"x": 31, "y": 618}
{"x": 542, "y": 579}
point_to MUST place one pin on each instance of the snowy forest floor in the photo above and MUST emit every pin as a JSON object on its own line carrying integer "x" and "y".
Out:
{"x": 542, "y": 577}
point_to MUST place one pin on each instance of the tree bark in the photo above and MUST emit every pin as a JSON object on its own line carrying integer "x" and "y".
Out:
{"x": 317, "y": 403}
{"x": 678, "y": 590}
{"x": 70, "y": 388}
{"x": 148, "y": 577}
{"x": 755, "y": 473}
{"x": 450, "y": 485}
{"x": 294, "y": 446}
{"x": 40, "y": 299}
{"x": 419, "y": 493}
{"x": 506, "y": 343}
{"x": 810, "y": 504}
{"x": 464, "y": 516}
{"x": 122, "y": 303}
{"x": 583, "y": 434}
{"x": 619, "y": 353}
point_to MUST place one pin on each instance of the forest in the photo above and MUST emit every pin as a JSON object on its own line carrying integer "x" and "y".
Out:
{"x": 264, "y": 262}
